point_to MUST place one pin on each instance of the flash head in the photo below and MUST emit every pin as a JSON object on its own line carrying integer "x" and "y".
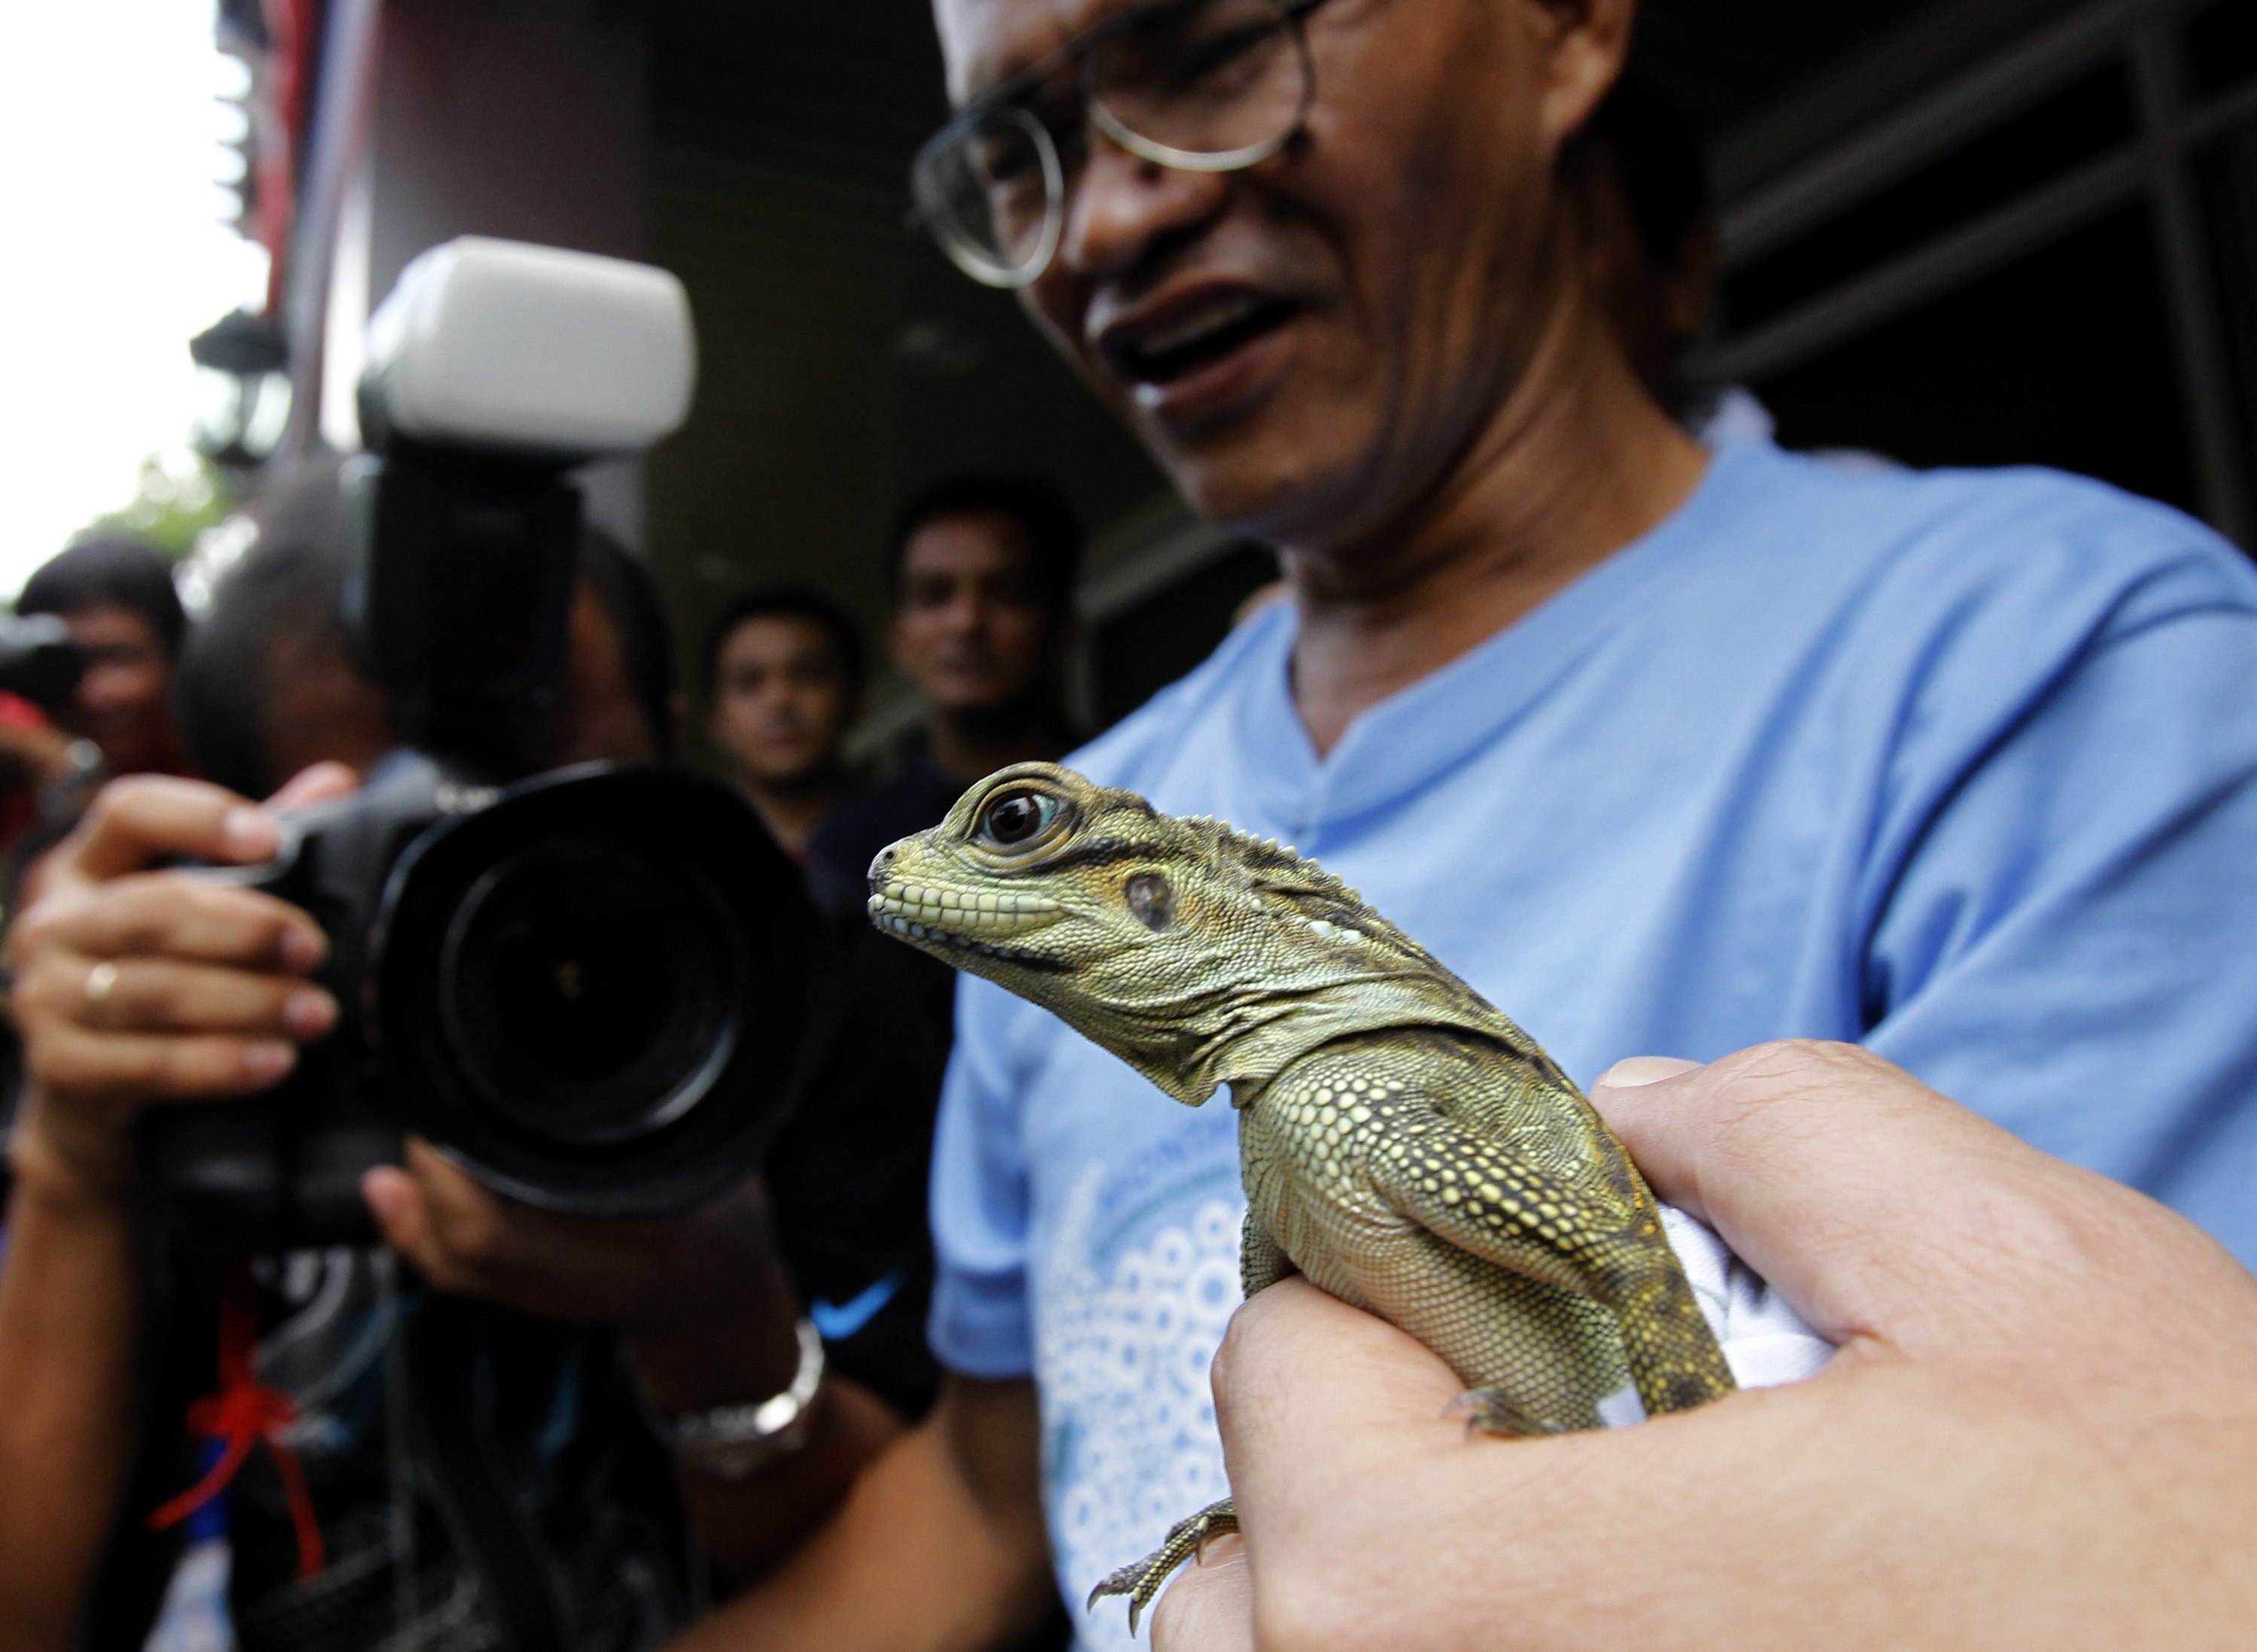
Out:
{"x": 505, "y": 346}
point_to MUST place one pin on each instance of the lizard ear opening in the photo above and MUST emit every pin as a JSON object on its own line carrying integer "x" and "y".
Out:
{"x": 1152, "y": 899}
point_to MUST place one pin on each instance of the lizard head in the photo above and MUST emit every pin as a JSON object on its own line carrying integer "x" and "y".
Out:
{"x": 1182, "y": 946}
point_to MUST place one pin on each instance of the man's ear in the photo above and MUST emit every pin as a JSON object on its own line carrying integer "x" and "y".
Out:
{"x": 1585, "y": 44}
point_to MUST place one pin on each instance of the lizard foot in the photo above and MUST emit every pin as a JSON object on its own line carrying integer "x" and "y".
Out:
{"x": 1139, "y": 1580}
{"x": 1493, "y": 1411}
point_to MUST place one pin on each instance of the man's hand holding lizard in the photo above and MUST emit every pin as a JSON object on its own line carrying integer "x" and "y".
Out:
{"x": 2039, "y": 1429}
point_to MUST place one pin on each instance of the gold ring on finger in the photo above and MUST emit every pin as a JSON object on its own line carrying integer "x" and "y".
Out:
{"x": 100, "y": 981}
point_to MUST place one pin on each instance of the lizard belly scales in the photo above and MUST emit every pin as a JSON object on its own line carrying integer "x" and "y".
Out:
{"x": 1403, "y": 1143}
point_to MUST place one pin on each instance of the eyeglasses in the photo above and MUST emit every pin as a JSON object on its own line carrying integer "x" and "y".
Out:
{"x": 1197, "y": 85}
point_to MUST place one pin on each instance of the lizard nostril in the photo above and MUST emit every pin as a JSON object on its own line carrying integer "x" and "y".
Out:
{"x": 880, "y": 864}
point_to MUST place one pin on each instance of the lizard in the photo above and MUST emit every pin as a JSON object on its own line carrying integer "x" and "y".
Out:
{"x": 1404, "y": 1145}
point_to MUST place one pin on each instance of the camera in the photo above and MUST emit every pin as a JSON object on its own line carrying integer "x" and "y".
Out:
{"x": 591, "y": 987}
{"x": 39, "y": 661}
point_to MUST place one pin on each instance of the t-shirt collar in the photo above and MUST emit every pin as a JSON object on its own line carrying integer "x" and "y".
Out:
{"x": 1405, "y": 741}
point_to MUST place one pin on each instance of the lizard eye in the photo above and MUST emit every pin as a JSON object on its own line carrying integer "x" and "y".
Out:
{"x": 1016, "y": 820}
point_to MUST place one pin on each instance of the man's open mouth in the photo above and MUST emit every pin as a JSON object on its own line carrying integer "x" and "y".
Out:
{"x": 1187, "y": 339}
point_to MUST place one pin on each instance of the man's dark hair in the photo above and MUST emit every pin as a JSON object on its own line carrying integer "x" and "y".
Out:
{"x": 1658, "y": 154}
{"x": 788, "y": 602}
{"x": 109, "y": 571}
{"x": 1052, "y": 531}
{"x": 629, "y": 598}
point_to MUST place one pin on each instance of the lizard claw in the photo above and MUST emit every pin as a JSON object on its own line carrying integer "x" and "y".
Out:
{"x": 1142, "y": 1580}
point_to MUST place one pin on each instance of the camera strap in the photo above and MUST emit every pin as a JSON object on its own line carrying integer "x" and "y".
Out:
{"x": 243, "y": 1414}
{"x": 490, "y": 1529}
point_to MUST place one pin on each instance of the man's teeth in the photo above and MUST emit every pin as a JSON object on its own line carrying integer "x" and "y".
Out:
{"x": 1195, "y": 328}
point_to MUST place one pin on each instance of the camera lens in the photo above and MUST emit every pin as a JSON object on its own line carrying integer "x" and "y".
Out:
{"x": 601, "y": 992}
{"x": 587, "y": 986}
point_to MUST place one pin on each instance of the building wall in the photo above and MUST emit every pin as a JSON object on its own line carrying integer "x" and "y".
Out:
{"x": 845, "y": 362}
{"x": 514, "y": 118}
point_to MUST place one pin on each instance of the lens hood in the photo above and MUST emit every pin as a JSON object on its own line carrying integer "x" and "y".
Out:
{"x": 600, "y": 992}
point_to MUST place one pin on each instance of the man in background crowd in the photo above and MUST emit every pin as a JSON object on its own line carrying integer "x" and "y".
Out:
{"x": 981, "y": 572}
{"x": 115, "y": 594}
{"x": 784, "y": 675}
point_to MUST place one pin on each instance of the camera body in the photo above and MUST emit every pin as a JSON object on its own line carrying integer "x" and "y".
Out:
{"x": 39, "y": 661}
{"x": 595, "y": 988}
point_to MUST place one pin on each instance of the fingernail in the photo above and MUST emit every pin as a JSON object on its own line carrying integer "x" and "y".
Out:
{"x": 1643, "y": 1069}
{"x": 303, "y": 948}
{"x": 268, "y": 1060}
{"x": 380, "y": 1189}
{"x": 310, "y": 1014}
{"x": 247, "y": 833}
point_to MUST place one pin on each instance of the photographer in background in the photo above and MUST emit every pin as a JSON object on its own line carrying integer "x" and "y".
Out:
{"x": 784, "y": 676}
{"x": 541, "y": 1506}
{"x": 116, "y": 596}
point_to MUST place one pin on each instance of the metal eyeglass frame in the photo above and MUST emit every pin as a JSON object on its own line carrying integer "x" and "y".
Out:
{"x": 1010, "y": 99}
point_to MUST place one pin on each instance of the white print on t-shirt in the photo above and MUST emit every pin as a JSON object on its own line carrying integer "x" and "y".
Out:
{"x": 1132, "y": 1309}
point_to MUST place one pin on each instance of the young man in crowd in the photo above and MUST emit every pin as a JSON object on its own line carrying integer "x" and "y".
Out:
{"x": 116, "y": 596}
{"x": 783, "y": 681}
{"x": 663, "y": 1318}
{"x": 981, "y": 571}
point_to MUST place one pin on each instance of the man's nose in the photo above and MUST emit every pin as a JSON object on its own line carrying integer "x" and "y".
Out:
{"x": 1122, "y": 204}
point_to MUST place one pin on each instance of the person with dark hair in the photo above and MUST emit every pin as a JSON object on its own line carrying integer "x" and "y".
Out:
{"x": 783, "y": 683}
{"x": 982, "y": 572}
{"x": 581, "y": 1342}
{"x": 115, "y": 594}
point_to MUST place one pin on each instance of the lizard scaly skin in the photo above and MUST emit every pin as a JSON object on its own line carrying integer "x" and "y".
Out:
{"x": 1403, "y": 1144}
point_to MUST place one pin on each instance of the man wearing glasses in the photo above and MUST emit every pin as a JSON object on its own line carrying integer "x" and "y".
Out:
{"x": 1664, "y": 749}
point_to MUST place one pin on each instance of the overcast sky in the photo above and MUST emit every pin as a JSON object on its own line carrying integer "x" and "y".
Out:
{"x": 113, "y": 252}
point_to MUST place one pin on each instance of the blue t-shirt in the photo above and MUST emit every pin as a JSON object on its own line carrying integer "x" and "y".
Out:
{"x": 1961, "y": 765}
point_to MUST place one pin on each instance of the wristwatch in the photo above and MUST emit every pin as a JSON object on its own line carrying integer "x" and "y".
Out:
{"x": 731, "y": 1441}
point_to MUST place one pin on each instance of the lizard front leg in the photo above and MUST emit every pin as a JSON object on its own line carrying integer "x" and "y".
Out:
{"x": 1474, "y": 1195}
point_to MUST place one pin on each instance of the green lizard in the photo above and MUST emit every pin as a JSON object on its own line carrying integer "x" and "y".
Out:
{"x": 1403, "y": 1144}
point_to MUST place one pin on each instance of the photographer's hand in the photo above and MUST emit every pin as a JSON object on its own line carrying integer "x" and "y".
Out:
{"x": 2039, "y": 1431}
{"x": 701, "y": 1303}
{"x": 132, "y": 986}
